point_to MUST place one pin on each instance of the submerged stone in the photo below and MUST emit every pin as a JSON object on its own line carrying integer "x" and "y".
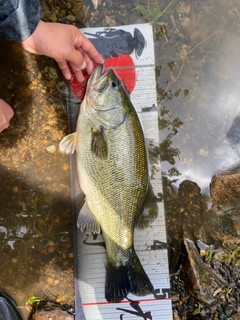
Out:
{"x": 53, "y": 311}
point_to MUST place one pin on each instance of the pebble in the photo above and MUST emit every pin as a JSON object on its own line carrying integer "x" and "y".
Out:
{"x": 61, "y": 299}
{"x": 51, "y": 149}
{"x": 228, "y": 309}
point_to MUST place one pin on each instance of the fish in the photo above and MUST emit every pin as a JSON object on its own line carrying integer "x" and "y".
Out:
{"x": 113, "y": 172}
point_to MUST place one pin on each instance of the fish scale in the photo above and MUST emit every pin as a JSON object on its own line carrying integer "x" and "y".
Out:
{"x": 112, "y": 192}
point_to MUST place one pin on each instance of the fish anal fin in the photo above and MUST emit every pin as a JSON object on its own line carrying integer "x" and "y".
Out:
{"x": 68, "y": 143}
{"x": 87, "y": 222}
{"x": 121, "y": 280}
{"x": 99, "y": 143}
{"x": 149, "y": 210}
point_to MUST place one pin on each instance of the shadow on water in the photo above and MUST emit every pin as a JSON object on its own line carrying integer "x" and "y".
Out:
{"x": 36, "y": 249}
{"x": 33, "y": 237}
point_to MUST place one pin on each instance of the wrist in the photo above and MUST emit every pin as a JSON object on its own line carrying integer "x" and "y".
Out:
{"x": 31, "y": 43}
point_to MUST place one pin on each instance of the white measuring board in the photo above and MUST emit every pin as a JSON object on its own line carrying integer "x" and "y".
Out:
{"x": 150, "y": 243}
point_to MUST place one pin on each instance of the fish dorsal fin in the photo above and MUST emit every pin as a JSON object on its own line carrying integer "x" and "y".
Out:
{"x": 86, "y": 221}
{"x": 68, "y": 143}
{"x": 149, "y": 210}
{"x": 99, "y": 143}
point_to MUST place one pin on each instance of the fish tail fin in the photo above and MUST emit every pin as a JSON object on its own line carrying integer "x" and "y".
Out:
{"x": 131, "y": 277}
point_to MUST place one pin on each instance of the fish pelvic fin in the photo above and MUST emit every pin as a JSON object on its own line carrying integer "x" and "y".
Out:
{"x": 87, "y": 222}
{"x": 121, "y": 280}
{"x": 68, "y": 143}
{"x": 149, "y": 210}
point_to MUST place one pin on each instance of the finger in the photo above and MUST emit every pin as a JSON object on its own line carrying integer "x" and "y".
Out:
{"x": 88, "y": 61}
{"x": 86, "y": 45}
{"x": 63, "y": 65}
{"x": 79, "y": 75}
{"x": 75, "y": 58}
{"x": 89, "y": 66}
{"x": 78, "y": 72}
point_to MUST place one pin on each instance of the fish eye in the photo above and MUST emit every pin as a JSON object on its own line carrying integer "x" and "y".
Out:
{"x": 115, "y": 85}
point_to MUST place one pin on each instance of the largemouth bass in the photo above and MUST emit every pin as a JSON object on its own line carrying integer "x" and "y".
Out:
{"x": 113, "y": 172}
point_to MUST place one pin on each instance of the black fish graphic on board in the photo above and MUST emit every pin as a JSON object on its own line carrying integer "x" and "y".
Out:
{"x": 115, "y": 42}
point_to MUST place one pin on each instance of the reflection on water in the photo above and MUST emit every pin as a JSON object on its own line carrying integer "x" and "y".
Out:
{"x": 202, "y": 61}
{"x": 197, "y": 66}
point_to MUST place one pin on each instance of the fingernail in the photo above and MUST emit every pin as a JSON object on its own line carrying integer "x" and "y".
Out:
{"x": 83, "y": 66}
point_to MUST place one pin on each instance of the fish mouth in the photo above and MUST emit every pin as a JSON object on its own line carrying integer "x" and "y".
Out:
{"x": 99, "y": 80}
{"x": 96, "y": 75}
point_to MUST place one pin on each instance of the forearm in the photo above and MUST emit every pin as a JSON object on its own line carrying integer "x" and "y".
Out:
{"x": 18, "y": 19}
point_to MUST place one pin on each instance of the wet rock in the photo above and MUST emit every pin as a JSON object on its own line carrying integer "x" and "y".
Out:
{"x": 51, "y": 149}
{"x": 225, "y": 191}
{"x": 187, "y": 26}
{"x": 183, "y": 53}
{"x": 201, "y": 282}
{"x": 204, "y": 249}
{"x": 186, "y": 23}
{"x": 71, "y": 18}
{"x": 109, "y": 21}
{"x": 52, "y": 311}
{"x": 236, "y": 223}
{"x": 183, "y": 8}
{"x": 195, "y": 36}
{"x": 95, "y": 4}
{"x": 176, "y": 316}
{"x": 219, "y": 254}
{"x": 228, "y": 309}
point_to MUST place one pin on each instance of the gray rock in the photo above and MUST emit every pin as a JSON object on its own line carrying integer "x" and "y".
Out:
{"x": 201, "y": 282}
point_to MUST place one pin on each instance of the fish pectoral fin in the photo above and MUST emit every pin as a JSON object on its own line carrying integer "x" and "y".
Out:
{"x": 68, "y": 143}
{"x": 149, "y": 210}
{"x": 87, "y": 222}
{"x": 99, "y": 143}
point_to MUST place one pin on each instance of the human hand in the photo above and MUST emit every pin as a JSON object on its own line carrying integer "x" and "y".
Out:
{"x": 67, "y": 45}
{"x": 6, "y": 113}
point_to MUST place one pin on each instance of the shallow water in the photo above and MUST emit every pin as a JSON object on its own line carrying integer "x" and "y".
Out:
{"x": 36, "y": 249}
{"x": 197, "y": 68}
